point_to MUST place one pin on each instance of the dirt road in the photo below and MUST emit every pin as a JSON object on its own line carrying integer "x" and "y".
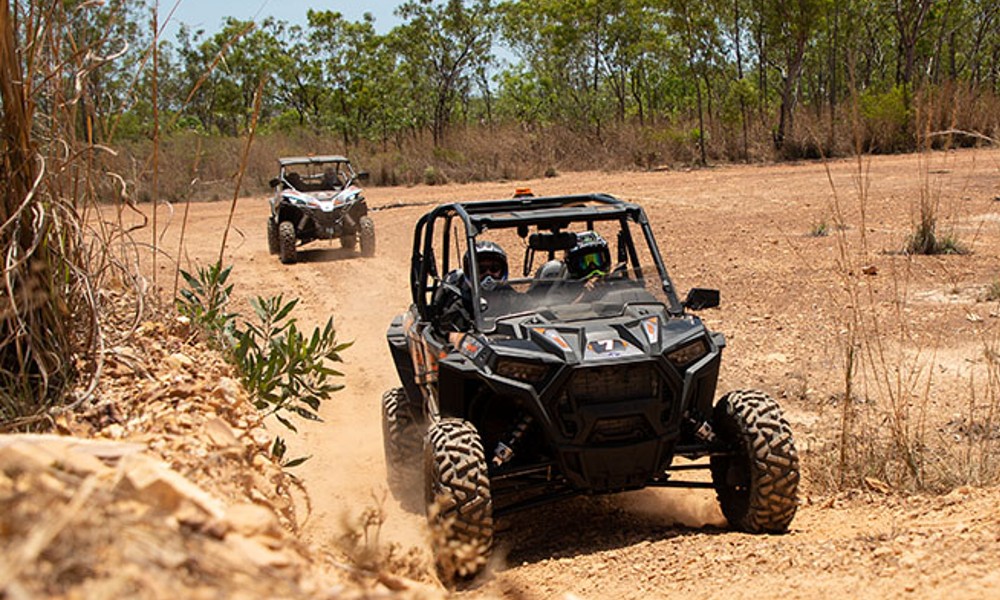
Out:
{"x": 746, "y": 231}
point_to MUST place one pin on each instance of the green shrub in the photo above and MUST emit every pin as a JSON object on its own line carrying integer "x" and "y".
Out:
{"x": 887, "y": 119}
{"x": 432, "y": 176}
{"x": 284, "y": 370}
{"x": 820, "y": 229}
{"x": 204, "y": 303}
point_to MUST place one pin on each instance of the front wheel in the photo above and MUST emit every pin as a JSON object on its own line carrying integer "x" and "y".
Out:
{"x": 757, "y": 483}
{"x": 348, "y": 241}
{"x": 286, "y": 242}
{"x": 273, "y": 245}
{"x": 366, "y": 232}
{"x": 459, "y": 504}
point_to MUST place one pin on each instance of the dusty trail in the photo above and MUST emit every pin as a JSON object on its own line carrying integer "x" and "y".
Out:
{"x": 740, "y": 229}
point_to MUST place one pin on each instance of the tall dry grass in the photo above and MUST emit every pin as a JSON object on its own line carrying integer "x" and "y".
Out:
{"x": 49, "y": 299}
{"x": 71, "y": 229}
{"x": 892, "y": 433}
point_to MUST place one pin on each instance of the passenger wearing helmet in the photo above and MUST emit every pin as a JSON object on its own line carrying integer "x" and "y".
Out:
{"x": 589, "y": 258}
{"x": 491, "y": 262}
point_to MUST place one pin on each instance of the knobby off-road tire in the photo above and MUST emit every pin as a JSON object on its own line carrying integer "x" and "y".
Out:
{"x": 366, "y": 233}
{"x": 459, "y": 505}
{"x": 273, "y": 245}
{"x": 286, "y": 242}
{"x": 348, "y": 241}
{"x": 402, "y": 438}
{"x": 757, "y": 486}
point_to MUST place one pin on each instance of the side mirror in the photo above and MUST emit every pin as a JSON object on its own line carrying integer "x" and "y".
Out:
{"x": 274, "y": 182}
{"x": 362, "y": 176}
{"x": 701, "y": 298}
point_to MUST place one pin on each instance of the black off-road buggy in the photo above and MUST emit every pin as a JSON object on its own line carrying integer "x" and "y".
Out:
{"x": 546, "y": 387}
{"x": 315, "y": 198}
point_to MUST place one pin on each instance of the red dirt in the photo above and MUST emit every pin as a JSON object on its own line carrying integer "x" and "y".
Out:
{"x": 786, "y": 312}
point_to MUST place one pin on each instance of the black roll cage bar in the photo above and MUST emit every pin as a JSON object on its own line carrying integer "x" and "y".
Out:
{"x": 547, "y": 212}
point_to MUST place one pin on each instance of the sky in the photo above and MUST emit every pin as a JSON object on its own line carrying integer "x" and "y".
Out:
{"x": 209, "y": 14}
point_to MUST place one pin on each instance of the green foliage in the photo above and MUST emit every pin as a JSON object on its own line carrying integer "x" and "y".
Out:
{"x": 284, "y": 370}
{"x": 820, "y": 229}
{"x": 278, "y": 451}
{"x": 433, "y": 176}
{"x": 204, "y": 302}
{"x": 887, "y": 119}
{"x": 925, "y": 240}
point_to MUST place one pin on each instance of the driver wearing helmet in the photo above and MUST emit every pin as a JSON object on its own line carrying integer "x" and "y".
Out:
{"x": 588, "y": 261}
{"x": 589, "y": 258}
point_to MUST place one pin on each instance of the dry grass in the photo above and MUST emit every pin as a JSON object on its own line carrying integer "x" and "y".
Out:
{"x": 891, "y": 434}
{"x": 49, "y": 298}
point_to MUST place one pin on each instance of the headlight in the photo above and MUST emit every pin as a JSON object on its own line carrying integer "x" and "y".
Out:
{"x": 651, "y": 326}
{"x": 470, "y": 346}
{"x": 688, "y": 353}
{"x": 529, "y": 372}
{"x": 553, "y": 335}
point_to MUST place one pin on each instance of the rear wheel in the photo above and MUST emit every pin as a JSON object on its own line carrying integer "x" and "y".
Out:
{"x": 286, "y": 242}
{"x": 273, "y": 245}
{"x": 403, "y": 443}
{"x": 348, "y": 241}
{"x": 366, "y": 233}
{"x": 756, "y": 484}
{"x": 459, "y": 505}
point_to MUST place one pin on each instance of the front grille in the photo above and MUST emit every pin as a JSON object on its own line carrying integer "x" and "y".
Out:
{"x": 598, "y": 385}
{"x": 326, "y": 220}
{"x": 615, "y": 403}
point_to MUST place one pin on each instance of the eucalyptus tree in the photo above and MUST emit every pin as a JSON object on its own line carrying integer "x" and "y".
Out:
{"x": 443, "y": 45}
{"x": 787, "y": 27}
{"x": 297, "y": 81}
{"x": 697, "y": 28}
{"x": 225, "y": 71}
{"x": 561, "y": 46}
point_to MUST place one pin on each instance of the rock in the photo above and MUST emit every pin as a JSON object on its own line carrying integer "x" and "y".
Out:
{"x": 20, "y": 458}
{"x": 178, "y": 361}
{"x": 77, "y": 455}
{"x": 256, "y": 552}
{"x": 251, "y": 520}
{"x": 227, "y": 390}
{"x": 156, "y": 484}
{"x": 220, "y": 434}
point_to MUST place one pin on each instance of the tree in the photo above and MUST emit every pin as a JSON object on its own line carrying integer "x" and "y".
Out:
{"x": 788, "y": 26}
{"x": 444, "y": 45}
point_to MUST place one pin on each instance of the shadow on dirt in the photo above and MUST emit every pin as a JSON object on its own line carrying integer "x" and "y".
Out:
{"x": 587, "y": 525}
{"x": 321, "y": 254}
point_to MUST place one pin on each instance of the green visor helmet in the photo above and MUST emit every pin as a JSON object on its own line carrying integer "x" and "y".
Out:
{"x": 590, "y": 257}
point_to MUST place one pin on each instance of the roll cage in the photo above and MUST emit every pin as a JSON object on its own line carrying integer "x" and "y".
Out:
{"x": 312, "y": 177}
{"x": 550, "y": 214}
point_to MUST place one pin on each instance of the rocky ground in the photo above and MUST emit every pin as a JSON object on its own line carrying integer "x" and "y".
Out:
{"x": 173, "y": 498}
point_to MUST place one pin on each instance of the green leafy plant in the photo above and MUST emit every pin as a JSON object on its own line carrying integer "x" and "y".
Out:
{"x": 278, "y": 451}
{"x": 204, "y": 303}
{"x": 820, "y": 229}
{"x": 284, "y": 370}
